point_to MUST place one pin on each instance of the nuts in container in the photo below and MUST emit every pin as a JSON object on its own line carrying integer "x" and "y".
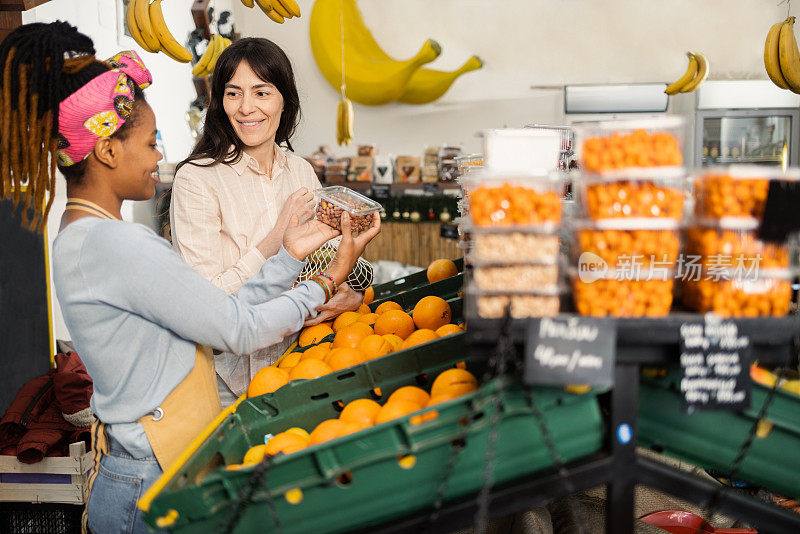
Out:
{"x": 333, "y": 201}
{"x": 514, "y": 247}
{"x": 525, "y": 277}
{"x": 493, "y": 305}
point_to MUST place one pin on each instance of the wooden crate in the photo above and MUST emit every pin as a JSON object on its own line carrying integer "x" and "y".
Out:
{"x": 76, "y": 465}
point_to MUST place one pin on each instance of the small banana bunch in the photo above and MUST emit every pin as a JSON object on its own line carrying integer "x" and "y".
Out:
{"x": 344, "y": 122}
{"x": 145, "y": 22}
{"x": 277, "y": 10}
{"x": 696, "y": 73}
{"x": 205, "y": 65}
{"x": 781, "y": 57}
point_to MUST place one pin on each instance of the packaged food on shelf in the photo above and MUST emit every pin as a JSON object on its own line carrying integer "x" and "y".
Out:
{"x": 719, "y": 245}
{"x": 367, "y": 150}
{"x": 448, "y": 170}
{"x": 522, "y": 277}
{"x": 513, "y": 247}
{"x": 469, "y": 163}
{"x": 617, "y": 294}
{"x": 735, "y": 191}
{"x": 731, "y": 294}
{"x": 656, "y": 243}
{"x": 513, "y": 200}
{"x": 632, "y": 195}
{"x": 334, "y": 200}
{"x": 407, "y": 169}
{"x": 493, "y": 304}
{"x": 361, "y": 169}
{"x": 620, "y": 144}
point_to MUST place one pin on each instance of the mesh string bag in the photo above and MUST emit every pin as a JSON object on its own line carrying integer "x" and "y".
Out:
{"x": 360, "y": 277}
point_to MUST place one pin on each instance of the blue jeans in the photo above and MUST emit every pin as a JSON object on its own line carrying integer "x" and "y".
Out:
{"x": 121, "y": 480}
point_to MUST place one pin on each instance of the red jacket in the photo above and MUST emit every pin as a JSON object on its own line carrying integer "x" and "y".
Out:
{"x": 49, "y": 413}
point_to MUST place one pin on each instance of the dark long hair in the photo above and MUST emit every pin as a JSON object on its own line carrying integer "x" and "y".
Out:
{"x": 270, "y": 64}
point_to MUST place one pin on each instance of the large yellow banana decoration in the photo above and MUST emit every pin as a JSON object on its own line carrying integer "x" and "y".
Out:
{"x": 691, "y": 71}
{"x": 772, "y": 62}
{"x": 789, "y": 56}
{"x": 700, "y": 77}
{"x": 169, "y": 45}
{"x": 427, "y": 85}
{"x": 368, "y": 82}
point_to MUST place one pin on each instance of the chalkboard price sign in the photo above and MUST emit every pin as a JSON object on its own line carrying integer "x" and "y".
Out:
{"x": 571, "y": 350}
{"x": 380, "y": 191}
{"x": 715, "y": 365}
{"x": 448, "y": 231}
{"x": 430, "y": 187}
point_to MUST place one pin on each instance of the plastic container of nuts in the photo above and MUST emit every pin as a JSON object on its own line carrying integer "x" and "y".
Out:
{"x": 735, "y": 191}
{"x": 521, "y": 277}
{"x": 335, "y": 200}
{"x": 769, "y": 293}
{"x": 652, "y": 241}
{"x": 605, "y": 146}
{"x": 722, "y": 244}
{"x": 623, "y": 294}
{"x": 513, "y": 200}
{"x": 544, "y": 302}
{"x": 632, "y": 195}
{"x": 514, "y": 247}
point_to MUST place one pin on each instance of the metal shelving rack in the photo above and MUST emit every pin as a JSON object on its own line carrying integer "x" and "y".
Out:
{"x": 640, "y": 342}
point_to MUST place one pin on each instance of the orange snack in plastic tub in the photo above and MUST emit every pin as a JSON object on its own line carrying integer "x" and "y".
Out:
{"x": 623, "y": 298}
{"x": 734, "y": 248}
{"x": 513, "y": 205}
{"x": 739, "y": 297}
{"x": 606, "y": 199}
{"x": 636, "y": 149}
{"x": 730, "y": 194}
{"x": 657, "y": 246}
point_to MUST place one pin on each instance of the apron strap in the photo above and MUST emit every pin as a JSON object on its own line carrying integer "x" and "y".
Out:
{"x": 99, "y": 449}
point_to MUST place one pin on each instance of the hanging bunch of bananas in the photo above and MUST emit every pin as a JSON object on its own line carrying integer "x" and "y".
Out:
{"x": 371, "y": 75}
{"x": 145, "y": 22}
{"x": 277, "y": 10}
{"x": 205, "y": 65}
{"x": 344, "y": 121}
{"x": 696, "y": 73}
{"x": 781, "y": 57}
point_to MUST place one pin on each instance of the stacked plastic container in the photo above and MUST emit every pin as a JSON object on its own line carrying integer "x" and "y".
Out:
{"x": 631, "y": 194}
{"x": 740, "y": 275}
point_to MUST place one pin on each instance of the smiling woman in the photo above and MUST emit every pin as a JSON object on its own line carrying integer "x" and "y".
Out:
{"x": 233, "y": 197}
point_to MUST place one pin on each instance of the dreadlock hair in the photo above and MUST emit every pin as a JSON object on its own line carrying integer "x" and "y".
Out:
{"x": 40, "y": 65}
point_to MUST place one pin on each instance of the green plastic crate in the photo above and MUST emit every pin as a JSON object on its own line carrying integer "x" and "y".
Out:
{"x": 712, "y": 439}
{"x": 358, "y": 480}
{"x": 447, "y": 289}
{"x": 390, "y": 289}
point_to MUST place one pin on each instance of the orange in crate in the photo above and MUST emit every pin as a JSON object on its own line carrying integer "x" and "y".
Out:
{"x": 448, "y": 329}
{"x": 361, "y": 411}
{"x": 345, "y": 319}
{"x": 383, "y": 307}
{"x": 317, "y": 352}
{"x": 393, "y": 410}
{"x": 314, "y": 334}
{"x": 351, "y": 335}
{"x": 368, "y": 319}
{"x": 267, "y": 380}
{"x": 418, "y": 337}
{"x": 286, "y": 442}
{"x": 345, "y": 357}
{"x": 395, "y": 322}
{"x": 454, "y": 381}
{"x": 410, "y": 393}
{"x": 375, "y": 346}
{"x": 325, "y": 431}
{"x": 441, "y": 269}
{"x": 310, "y": 369}
{"x": 431, "y": 312}
{"x": 369, "y": 295}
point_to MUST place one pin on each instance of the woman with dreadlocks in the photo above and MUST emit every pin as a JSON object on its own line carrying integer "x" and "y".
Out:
{"x": 139, "y": 316}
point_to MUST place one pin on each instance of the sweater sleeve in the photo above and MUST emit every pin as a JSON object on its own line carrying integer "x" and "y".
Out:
{"x": 195, "y": 223}
{"x": 128, "y": 266}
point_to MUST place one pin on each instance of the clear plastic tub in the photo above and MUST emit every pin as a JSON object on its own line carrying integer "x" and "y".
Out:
{"x": 767, "y": 294}
{"x": 493, "y": 304}
{"x": 623, "y": 195}
{"x": 615, "y": 294}
{"x": 333, "y": 201}
{"x": 522, "y": 277}
{"x": 720, "y": 246}
{"x": 625, "y": 144}
{"x": 515, "y": 246}
{"x": 642, "y": 243}
{"x": 735, "y": 191}
{"x": 521, "y": 149}
{"x": 513, "y": 200}
{"x": 469, "y": 163}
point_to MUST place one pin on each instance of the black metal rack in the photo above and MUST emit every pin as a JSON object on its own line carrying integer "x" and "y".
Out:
{"x": 640, "y": 342}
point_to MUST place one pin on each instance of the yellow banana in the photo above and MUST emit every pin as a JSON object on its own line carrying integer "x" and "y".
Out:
{"x": 368, "y": 81}
{"x": 227, "y": 42}
{"x": 130, "y": 22}
{"x": 278, "y": 7}
{"x": 789, "y": 56}
{"x": 169, "y": 45}
{"x": 772, "y": 61}
{"x": 691, "y": 71}
{"x": 219, "y": 47}
{"x": 201, "y": 66}
{"x": 426, "y": 85}
{"x": 344, "y": 121}
{"x": 700, "y": 77}
{"x": 248, "y": 3}
{"x": 141, "y": 14}
{"x": 266, "y": 7}
{"x": 290, "y": 6}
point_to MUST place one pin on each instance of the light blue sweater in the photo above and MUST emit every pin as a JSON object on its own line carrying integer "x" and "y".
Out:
{"x": 135, "y": 310}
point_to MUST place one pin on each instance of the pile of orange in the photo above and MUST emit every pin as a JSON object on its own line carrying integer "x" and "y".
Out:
{"x": 363, "y": 413}
{"x": 637, "y": 149}
{"x": 358, "y": 337}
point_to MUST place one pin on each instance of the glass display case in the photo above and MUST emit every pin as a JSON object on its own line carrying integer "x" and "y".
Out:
{"x": 751, "y": 136}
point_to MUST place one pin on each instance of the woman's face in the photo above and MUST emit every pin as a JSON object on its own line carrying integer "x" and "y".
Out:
{"x": 253, "y": 106}
{"x": 138, "y": 175}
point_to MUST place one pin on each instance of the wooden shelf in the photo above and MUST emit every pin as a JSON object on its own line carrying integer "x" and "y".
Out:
{"x": 20, "y": 5}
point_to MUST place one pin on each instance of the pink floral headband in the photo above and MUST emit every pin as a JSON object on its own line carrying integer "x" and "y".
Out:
{"x": 99, "y": 108}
